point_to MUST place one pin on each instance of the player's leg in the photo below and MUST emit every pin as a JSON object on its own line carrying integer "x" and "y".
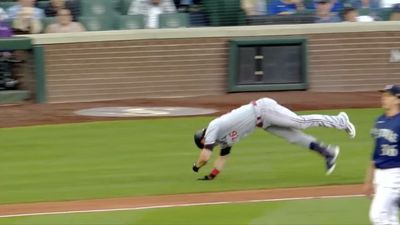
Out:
{"x": 279, "y": 115}
{"x": 295, "y": 136}
{"x": 384, "y": 206}
{"x": 394, "y": 214}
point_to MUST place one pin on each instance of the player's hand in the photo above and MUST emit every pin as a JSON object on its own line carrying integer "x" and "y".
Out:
{"x": 195, "y": 168}
{"x": 206, "y": 178}
{"x": 368, "y": 190}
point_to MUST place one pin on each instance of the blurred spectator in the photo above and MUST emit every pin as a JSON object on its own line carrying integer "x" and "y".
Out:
{"x": 15, "y": 10}
{"x": 285, "y": 7}
{"x": 5, "y": 29}
{"x": 26, "y": 23}
{"x": 389, "y": 3}
{"x": 395, "y": 15}
{"x": 54, "y": 6}
{"x": 188, "y": 5}
{"x": 336, "y": 5}
{"x": 75, "y": 7}
{"x": 3, "y": 14}
{"x": 366, "y": 4}
{"x": 151, "y": 9}
{"x": 64, "y": 23}
{"x": 324, "y": 14}
{"x": 196, "y": 12}
{"x": 254, "y": 7}
{"x": 349, "y": 14}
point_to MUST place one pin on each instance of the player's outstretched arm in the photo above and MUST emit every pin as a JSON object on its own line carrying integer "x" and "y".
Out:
{"x": 219, "y": 164}
{"x": 204, "y": 156}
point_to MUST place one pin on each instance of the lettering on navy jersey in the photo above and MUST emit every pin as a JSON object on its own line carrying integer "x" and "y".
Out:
{"x": 384, "y": 133}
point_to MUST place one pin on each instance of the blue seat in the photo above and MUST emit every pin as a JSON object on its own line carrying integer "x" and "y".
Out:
{"x": 97, "y": 23}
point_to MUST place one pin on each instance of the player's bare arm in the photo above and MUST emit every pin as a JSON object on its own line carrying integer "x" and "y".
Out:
{"x": 204, "y": 157}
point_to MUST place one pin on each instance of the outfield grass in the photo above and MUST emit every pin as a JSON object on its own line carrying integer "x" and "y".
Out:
{"x": 344, "y": 211}
{"x": 152, "y": 157}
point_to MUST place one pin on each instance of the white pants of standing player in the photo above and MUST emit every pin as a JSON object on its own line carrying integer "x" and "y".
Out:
{"x": 385, "y": 205}
{"x": 277, "y": 115}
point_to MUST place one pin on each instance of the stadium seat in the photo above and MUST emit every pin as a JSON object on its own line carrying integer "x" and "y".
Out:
{"x": 213, "y": 9}
{"x": 130, "y": 22}
{"x": 7, "y": 4}
{"x": 384, "y": 13}
{"x": 224, "y": 12}
{"x": 124, "y": 6}
{"x": 173, "y": 20}
{"x": 98, "y": 7}
{"x": 42, "y": 4}
{"x": 232, "y": 13}
{"x": 97, "y": 23}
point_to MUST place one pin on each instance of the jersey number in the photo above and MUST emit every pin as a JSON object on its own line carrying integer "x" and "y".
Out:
{"x": 389, "y": 150}
{"x": 233, "y": 135}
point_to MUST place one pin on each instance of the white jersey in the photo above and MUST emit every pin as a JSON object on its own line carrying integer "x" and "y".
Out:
{"x": 265, "y": 113}
{"x": 231, "y": 127}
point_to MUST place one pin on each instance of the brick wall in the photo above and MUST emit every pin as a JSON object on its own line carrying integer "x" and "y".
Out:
{"x": 135, "y": 69}
{"x": 352, "y": 61}
{"x": 198, "y": 66}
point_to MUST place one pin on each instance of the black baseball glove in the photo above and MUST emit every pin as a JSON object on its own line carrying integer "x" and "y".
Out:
{"x": 195, "y": 168}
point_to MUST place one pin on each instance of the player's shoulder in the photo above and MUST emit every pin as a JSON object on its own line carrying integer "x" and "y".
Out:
{"x": 381, "y": 117}
{"x": 214, "y": 124}
{"x": 396, "y": 119}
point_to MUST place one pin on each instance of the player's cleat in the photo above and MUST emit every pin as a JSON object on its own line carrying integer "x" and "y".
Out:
{"x": 350, "y": 128}
{"x": 331, "y": 159}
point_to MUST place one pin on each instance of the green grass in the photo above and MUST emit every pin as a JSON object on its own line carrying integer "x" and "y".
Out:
{"x": 153, "y": 157}
{"x": 342, "y": 211}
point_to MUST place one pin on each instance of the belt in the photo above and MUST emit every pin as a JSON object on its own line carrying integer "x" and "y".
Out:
{"x": 259, "y": 122}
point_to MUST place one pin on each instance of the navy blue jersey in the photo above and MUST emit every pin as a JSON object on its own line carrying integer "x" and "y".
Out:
{"x": 386, "y": 133}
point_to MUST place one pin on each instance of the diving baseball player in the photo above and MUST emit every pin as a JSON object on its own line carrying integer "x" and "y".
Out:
{"x": 383, "y": 174}
{"x": 267, "y": 114}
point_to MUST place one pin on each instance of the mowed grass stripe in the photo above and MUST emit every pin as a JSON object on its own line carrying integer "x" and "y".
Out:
{"x": 154, "y": 157}
{"x": 330, "y": 211}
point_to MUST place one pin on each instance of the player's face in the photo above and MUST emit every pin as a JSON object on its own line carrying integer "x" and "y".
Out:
{"x": 389, "y": 101}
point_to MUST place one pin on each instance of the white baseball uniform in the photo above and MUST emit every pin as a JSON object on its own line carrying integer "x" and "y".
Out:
{"x": 386, "y": 157}
{"x": 266, "y": 113}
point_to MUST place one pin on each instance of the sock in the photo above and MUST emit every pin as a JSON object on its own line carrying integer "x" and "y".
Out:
{"x": 318, "y": 147}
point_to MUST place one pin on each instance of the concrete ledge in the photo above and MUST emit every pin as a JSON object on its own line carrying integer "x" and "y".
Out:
{"x": 10, "y": 97}
{"x": 237, "y": 31}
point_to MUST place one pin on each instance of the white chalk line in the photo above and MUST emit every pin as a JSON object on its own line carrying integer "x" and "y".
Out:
{"x": 177, "y": 205}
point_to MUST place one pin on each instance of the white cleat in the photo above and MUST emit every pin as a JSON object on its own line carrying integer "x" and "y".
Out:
{"x": 350, "y": 128}
{"x": 331, "y": 160}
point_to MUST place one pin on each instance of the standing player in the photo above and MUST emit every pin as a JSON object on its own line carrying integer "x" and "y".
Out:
{"x": 267, "y": 114}
{"x": 383, "y": 175}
